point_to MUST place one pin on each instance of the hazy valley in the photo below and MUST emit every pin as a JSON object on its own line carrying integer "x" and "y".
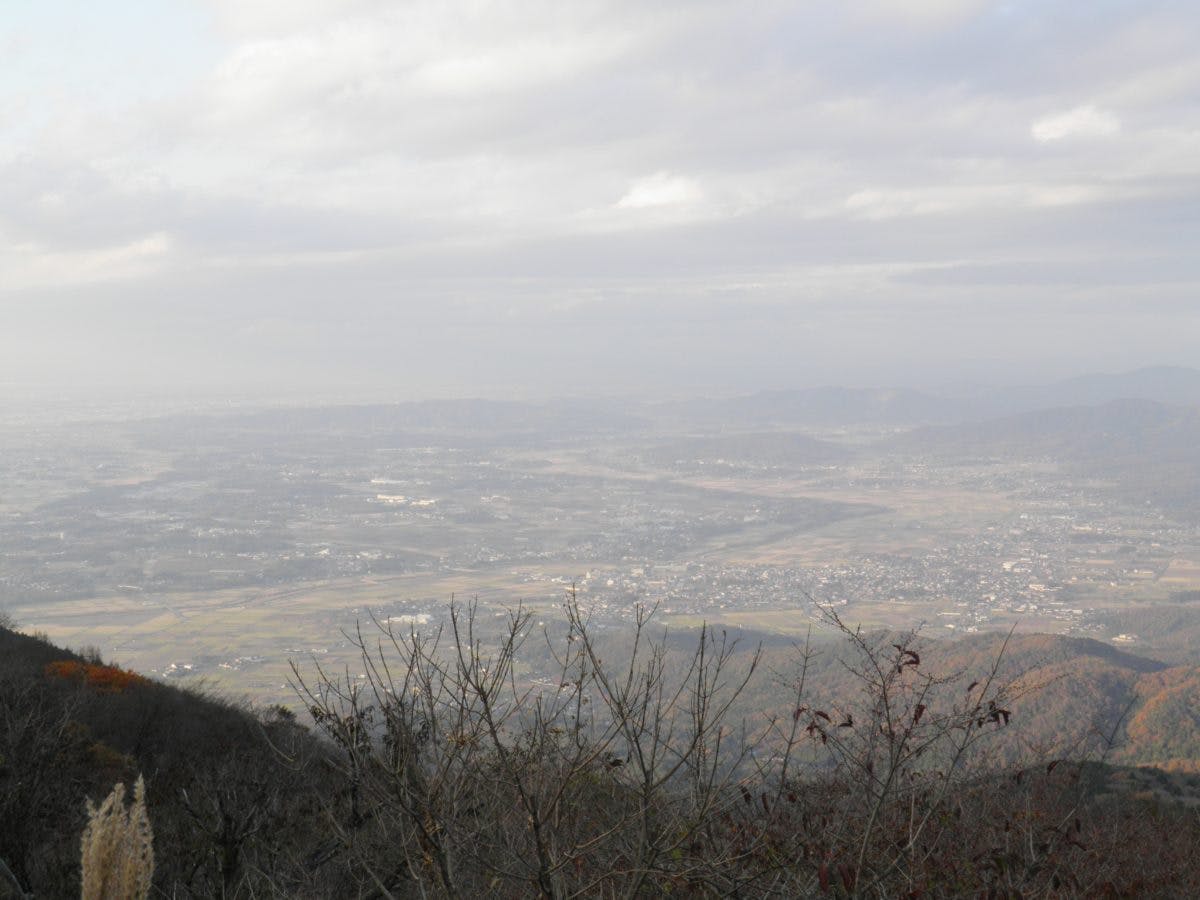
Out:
{"x": 223, "y": 545}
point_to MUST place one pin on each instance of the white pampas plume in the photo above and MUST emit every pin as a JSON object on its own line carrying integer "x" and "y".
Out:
{"x": 117, "y": 852}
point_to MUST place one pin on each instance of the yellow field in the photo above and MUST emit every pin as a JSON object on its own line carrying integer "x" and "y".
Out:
{"x": 150, "y": 634}
{"x": 1182, "y": 572}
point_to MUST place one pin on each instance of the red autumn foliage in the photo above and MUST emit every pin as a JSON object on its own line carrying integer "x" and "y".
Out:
{"x": 104, "y": 678}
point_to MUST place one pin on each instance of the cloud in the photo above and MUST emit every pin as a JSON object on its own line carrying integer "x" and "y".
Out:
{"x": 920, "y": 13}
{"x": 661, "y": 189}
{"x": 431, "y": 164}
{"x": 1086, "y": 121}
{"x": 521, "y": 65}
{"x": 28, "y": 266}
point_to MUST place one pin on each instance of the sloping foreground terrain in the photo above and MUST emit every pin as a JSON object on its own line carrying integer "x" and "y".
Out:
{"x": 1084, "y": 694}
{"x": 1077, "y": 696}
{"x": 379, "y": 799}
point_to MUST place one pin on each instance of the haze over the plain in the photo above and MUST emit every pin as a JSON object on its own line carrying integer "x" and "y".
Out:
{"x": 432, "y": 198}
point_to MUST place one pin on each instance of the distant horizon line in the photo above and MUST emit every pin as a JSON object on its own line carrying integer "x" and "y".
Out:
{"x": 351, "y": 394}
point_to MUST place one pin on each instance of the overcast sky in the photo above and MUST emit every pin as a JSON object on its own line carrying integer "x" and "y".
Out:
{"x": 523, "y": 198}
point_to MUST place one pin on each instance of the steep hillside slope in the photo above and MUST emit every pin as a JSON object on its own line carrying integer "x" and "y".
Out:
{"x": 1073, "y": 697}
{"x": 223, "y": 803}
{"x": 248, "y": 803}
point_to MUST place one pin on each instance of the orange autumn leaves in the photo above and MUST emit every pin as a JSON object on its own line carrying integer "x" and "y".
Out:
{"x": 104, "y": 678}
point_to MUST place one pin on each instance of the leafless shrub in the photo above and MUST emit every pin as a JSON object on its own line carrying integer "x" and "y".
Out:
{"x": 598, "y": 780}
{"x": 640, "y": 774}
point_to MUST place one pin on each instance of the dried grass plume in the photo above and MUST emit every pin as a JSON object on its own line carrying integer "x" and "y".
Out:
{"x": 117, "y": 852}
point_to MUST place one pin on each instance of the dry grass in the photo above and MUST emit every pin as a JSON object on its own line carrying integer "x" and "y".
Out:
{"x": 117, "y": 852}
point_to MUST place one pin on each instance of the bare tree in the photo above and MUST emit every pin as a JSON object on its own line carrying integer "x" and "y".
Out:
{"x": 597, "y": 778}
{"x": 640, "y": 772}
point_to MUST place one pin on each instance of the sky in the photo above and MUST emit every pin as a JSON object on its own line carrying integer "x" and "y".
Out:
{"x": 410, "y": 199}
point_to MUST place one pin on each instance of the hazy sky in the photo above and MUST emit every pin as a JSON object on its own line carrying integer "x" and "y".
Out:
{"x": 480, "y": 198}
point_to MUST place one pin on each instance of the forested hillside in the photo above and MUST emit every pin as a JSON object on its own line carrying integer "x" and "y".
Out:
{"x": 882, "y": 766}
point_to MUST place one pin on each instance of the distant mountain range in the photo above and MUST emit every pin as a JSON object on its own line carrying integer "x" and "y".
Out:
{"x": 1116, "y": 432}
{"x": 1163, "y": 384}
{"x": 1149, "y": 450}
{"x": 1139, "y": 430}
{"x": 899, "y": 407}
{"x": 459, "y": 422}
{"x": 820, "y": 407}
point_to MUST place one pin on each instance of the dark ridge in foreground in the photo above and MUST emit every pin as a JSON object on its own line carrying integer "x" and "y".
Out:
{"x": 430, "y": 780}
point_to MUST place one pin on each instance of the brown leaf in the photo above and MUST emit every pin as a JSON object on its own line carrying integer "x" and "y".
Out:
{"x": 848, "y": 879}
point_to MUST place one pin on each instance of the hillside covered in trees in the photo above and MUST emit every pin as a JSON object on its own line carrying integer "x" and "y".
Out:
{"x": 690, "y": 765}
